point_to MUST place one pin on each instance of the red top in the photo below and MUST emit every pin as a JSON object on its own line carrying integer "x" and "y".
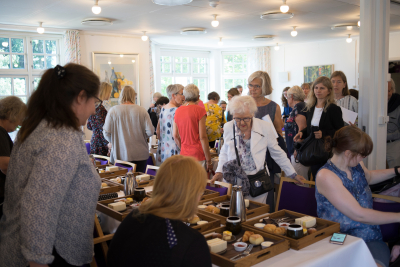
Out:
{"x": 187, "y": 119}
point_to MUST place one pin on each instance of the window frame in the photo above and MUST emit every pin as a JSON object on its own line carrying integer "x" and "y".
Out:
{"x": 233, "y": 76}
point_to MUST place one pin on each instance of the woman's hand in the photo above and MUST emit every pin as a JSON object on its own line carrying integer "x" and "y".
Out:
{"x": 210, "y": 166}
{"x": 34, "y": 264}
{"x": 298, "y": 137}
{"x": 299, "y": 179}
{"x": 318, "y": 134}
{"x": 217, "y": 177}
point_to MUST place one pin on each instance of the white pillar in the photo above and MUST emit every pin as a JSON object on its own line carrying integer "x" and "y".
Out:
{"x": 374, "y": 47}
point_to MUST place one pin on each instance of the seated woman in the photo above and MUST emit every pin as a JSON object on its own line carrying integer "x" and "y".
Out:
{"x": 154, "y": 234}
{"x": 343, "y": 194}
{"x": 253, "y": 136}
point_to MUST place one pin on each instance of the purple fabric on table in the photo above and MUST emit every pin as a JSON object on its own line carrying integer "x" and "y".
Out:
{"x": 130, "y": 168}
{"x": 102, "y": 161}
{"x": 151, "y": 172}
{"x": 222, "y": 191}
{"x": 389, "y": 231}
{"x": 150, "y": 161}
{"x": 88, "y": 148}
{"x": 298, "y": 198}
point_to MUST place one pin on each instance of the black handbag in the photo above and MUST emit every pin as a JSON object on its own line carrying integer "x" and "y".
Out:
{"x": 260, "y": 182}
{"x": 311, "y": 151}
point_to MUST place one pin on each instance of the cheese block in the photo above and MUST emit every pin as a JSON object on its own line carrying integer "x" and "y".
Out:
{"x": 143, "y": 177}
{"x": 112, "y": 168}
{"x": 246, "y": 203}
{"x": 118, "y": 206}
{"x": 217, "y": 245}
{"x": 306, "y": 221}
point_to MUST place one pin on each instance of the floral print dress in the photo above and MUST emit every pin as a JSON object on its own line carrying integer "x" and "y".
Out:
{"x": 166, "y": 145}
{"x": 98, "y": 144}
{"x": 214, "y": 121}
{"x": 291, "y": 127}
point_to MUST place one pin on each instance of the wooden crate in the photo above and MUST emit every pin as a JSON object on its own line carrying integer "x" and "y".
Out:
{"x": 140, "y": 184}
{"x": 102, "y": 206}
{"x": 254, "y": 209}
{"x": 212, "y": 223}
{"x": 120, "y": 172}
{"x": 113, "y": 187}
{"x": 324, "y": 228}
{"x": 257, "y": 254}
{"x": 209, "y": 194}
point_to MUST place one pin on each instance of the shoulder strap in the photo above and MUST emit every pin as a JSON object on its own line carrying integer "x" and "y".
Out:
{"x": 234, "y": 140}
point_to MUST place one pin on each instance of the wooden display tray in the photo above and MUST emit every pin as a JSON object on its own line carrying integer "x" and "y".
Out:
{"x": 208, "y": 194}
{"x": 257, "y": 254}
{"x": 121, "y": 171}
{"x": 212, "y": 223}
{"x": 140, "y": 184}
{"x": 324, "y": 228}
{"x": 102, "y": 206}
{"x": 113, "y": 187}
{"x": 254, "y": 209}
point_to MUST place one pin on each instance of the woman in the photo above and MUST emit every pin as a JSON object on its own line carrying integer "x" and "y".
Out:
{"x": 52, "y": 187}
{"x": 166, "y": 143}
{"x": 342, "y": 94}
{"x": 231, "y": 93}
{"x": 153, "y": 110}
{"x": 286, "y": 108}
{"x": 295, "y": 123}
{"x": 105, "y": 96}
{"x": 343, "y": 194}
{"x": 393, "y": 127}
{"x": 127, "y": 128}
{"x": 157, "y": 218}
{"x": 324, "y": 117}
{"x": 12, "y": 113}
{"x": 98, "y": 144}
{"x": 306, "y": 89}
{"x": 215, "y": 118}
{"x": 253, "y": 137}
{"x": 189, "y": 129}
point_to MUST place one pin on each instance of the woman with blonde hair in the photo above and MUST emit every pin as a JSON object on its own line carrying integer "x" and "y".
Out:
{"x": 324, "y": 117}
{"x": 157, "y": 223}
{"x": 105, "y": 94}
{"x": 95, "y": 123}
{"x": 127, "y": 128}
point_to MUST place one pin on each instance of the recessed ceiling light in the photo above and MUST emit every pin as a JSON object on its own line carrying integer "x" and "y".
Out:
{"x": 40, "y": 29}
{"x": 220, "y": 43}
{"x": 193, "y": 31}
{"x": 109, "y": 62}
{"x": 215, "y": 22}
{"x": 172, "y": 2}
{"x": 294, "y": 32}
{"x": 276, "y": 47}
{"x": 284, "y": 8}
{"x": 345, "y": 26}
{"x": 144, "y": 37}
{"x": 133, "y": 61}
{"x": 349, "y": 39}
{"x": 97, "y": 22}
{"x": 96, "y": 9}
{"x": 263, "y": 37}
{"x": 277, "y": 15}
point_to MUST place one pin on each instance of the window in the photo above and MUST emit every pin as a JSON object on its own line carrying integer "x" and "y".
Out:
{"x": 184, "y": 68}
{"x": 234, "y": 71}
{"x": 22, "y": 62}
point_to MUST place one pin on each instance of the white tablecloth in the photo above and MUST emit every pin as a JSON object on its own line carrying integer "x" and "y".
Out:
{"x": 353, "y": 253}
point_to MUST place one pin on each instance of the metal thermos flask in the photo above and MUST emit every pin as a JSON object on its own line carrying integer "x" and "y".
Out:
{"x": 237, "y": 207}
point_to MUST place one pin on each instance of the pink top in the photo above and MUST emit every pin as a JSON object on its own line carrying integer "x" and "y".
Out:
{"x": 200, "y": 103}
{"x": 187, "y": 119}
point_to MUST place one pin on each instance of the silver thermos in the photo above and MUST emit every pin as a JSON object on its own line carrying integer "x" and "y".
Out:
{"x": 237, "y": 207}
{"x": 130, "y": 184}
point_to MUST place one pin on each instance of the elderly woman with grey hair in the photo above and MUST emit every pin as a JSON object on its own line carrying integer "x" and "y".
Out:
{"x": 127, "y": 128}
{"x": 189, "y": 129}
{"x": 253, "y": 137}
{"x": 12, "y": 112}
{"x": 393, "y": 127}
{"x": 166, "y": 143}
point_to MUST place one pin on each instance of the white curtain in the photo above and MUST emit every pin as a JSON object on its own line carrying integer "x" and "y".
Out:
{"x": 72, "y": 48}
{"x": 259, "y": 59}
{"x": 152, "y": 89}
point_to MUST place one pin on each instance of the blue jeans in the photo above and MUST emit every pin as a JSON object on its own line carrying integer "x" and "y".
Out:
{"x": 380, "y": 252}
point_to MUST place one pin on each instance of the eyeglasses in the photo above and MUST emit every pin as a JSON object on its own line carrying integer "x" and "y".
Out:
{"x": 252, "y": 86}
{"x": 178, "y": 94}
{"x": 98, "y": 102}
{"x": 238, "y": 120}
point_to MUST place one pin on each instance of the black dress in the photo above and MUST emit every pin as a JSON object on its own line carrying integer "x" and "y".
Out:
{"x": 141, "y": 240}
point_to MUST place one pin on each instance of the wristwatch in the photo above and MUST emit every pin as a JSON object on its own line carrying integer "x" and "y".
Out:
{"x": 396, "y": 170}
{"x": 293, "y": 175}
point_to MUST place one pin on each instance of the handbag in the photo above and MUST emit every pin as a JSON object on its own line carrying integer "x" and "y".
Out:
{"x": 311, "y": 151}
{"x": 260, "y": 182}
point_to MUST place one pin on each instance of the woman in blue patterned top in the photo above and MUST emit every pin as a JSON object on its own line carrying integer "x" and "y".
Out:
{"x": 343, "y": 194}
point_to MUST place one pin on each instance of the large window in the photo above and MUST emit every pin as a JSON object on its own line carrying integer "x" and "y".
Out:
{"x": 184, "y": 68}
{"x": 234, "y": 71}
{"x": 22, "y": 62}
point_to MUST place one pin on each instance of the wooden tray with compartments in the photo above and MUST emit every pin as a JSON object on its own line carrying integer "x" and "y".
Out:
{"x": 141, "y": 183}
{"x": 324, "y": 228}
{"x": 121, "y": 171}
{"x": 111, "y": 187}
{"x": 212, "y": 223}
{"x": 254, "y": 209}
{"x": 208, "y": 194}
{"x": 102, "y": 206}
{"x": 257, "y": 254}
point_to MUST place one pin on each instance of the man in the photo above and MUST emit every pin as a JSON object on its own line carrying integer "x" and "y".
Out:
{"x": 240, "y": 89}
{"x": 393, "y": 127}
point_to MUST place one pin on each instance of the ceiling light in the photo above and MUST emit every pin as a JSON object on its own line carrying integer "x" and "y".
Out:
{"x": 294, "y": 32}
{"x": 276, "y": 47}
{"x": 284, "y": 7}
{"x": 193, "y": 31}
{"x": 276, "y": 15}
{"x": 121, "y": 55}
{"x": 40, "y": 29}
{"x": 133, "y": 61}
{"x": 349, "y": 28}
{"x": 359, "y": 23}
{"x": 349, "y": 39}
{"x": 4, "y": 44}
{"x": 96, "y": 9}
{"x": 171, "y": 2}
{"x": 215, "y": 22}
{"x": 109, "y": 62}
{"x": 213, "y": 3}
{"x": 264, "y": 38}
{"x": 220, "y": 43}
{"x": 144, "y": 37}
{"x": 344, "y": 26}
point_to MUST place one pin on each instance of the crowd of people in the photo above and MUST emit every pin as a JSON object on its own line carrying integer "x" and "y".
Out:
{"x": 50, "y": 187}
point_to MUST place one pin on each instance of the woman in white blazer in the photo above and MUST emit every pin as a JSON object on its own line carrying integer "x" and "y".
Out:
{"x": 253, "y": 137}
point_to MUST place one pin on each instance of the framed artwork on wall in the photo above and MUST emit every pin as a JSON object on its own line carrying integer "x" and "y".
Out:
{"x": 119, "y": 70}
{"x": 313, "y": 72}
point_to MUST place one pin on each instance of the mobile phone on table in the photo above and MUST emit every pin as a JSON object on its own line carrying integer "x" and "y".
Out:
{"x": 338, "y": 238}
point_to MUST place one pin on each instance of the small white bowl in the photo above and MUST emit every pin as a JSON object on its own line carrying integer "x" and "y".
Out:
{"x": 259, "y": 225}
{"x": 284, "y": 225}
{"x": 238, "y": 248}
{"x": 201, "y": 222}
{"x": 266, "y": 244}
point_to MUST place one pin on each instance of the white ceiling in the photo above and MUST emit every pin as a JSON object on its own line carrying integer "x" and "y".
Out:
{"x": 239, "y": 19}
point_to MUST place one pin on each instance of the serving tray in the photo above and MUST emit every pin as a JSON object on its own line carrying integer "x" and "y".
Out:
{"x": 257, "y": 254}
{"x": 113, "y": 187}
{"x": 140, "y": 184}
{"x": 121, "y": 171}
{"x": 324, "y": 228}
{"x": 208, "y": 194}
{"x": 102, "y": 206}
{"x": 212, "y": 223}
{"x": 254, "y": 209}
